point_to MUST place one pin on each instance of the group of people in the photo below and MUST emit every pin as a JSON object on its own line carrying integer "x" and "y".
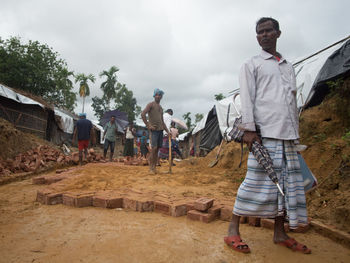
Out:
{"x": 270, "y": 117}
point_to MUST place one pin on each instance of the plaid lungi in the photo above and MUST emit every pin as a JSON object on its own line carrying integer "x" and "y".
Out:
{"x": 258, "y": 195}
{"x": 164, "y": 150}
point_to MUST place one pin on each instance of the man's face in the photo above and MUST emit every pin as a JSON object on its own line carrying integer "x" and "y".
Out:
{"x": 112, "y": 119}
{"x": 267, "y": 35}
{"x": 157, "y": 97}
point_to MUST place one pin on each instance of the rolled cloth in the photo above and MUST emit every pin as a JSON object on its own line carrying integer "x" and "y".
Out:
{"x": 158, "y": 91}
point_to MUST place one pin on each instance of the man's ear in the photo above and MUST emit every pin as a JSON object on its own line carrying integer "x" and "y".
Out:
{"x": 279, "y": 33}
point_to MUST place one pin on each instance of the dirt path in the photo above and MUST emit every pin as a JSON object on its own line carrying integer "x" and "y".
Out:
{"x": 31, "y": 232}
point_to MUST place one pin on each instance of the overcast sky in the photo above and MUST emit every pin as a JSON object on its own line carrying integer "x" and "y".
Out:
{"x": 191, "y": 49}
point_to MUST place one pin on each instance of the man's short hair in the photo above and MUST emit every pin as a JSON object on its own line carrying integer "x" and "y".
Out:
{"x": 113, "y": 116}
{"x": 275, "y": 23}
{"x": 169, "y": 111}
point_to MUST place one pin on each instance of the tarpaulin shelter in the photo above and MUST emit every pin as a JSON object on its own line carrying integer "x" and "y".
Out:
{"x": 314, "y": 71}
{"x": 32, "y": 114}
{"x": 218, "y": 122}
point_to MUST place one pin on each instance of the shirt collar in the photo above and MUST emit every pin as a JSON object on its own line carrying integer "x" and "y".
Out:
{"x": 266, "y": 55}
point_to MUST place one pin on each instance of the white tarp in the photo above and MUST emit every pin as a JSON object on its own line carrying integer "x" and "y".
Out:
{"x": 182, "y": 136}
{"x": 100, "y": 128}
{"x": 200, "y": 125}
{"x": 10, "y": 94}
{"x": 227, "y": 111}
{"x": 66, "y": 121}
{"x": 306, "y": 73}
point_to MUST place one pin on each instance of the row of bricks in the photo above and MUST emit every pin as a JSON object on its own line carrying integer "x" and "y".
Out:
{"x": 222, "y": 212}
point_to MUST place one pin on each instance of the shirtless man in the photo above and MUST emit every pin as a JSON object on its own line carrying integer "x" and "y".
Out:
{"x": 155, "y": 125}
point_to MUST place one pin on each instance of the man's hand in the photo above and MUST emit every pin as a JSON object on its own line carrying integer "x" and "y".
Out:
{"x": 249, "y": 137}
{"x": 150, "y": 127}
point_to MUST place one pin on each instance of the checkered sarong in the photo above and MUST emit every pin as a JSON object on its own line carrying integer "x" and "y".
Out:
{"x": 258, "y": 195}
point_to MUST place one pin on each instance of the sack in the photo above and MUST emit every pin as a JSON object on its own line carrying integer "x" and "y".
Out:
{"x": 236, "y": 134}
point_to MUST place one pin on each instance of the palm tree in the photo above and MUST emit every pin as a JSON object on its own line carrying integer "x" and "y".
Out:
{"x": 109, "y": 87}
{"x": 84, "y": 89}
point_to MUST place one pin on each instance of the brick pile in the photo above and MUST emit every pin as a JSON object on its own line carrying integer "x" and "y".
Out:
{"x": 42, "y": 157}
{"x": 204, "y": 210}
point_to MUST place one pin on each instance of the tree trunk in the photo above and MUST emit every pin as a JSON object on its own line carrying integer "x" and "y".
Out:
{"x": 83, "y": 103}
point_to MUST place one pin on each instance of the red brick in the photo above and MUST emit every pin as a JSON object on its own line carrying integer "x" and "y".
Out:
{"x": 190, "y": 206}
{"x": 331, "y": 232}
{"x": 267, "y": 223}
{"x": 243, "y": 220}
{"x": 107, "y": 201}
{"x": 53, "y": 199}
{"x": 83, "y": 200}
{"x": 215, "y": 210}
{"x": 39, "y": 180}
{"x": 203, "y": 204}
{"x": 302, "y": 228}
{"x": 145, "y": 206}
{"x": 254, "y": 221}
{"x": 270, "y": 224}
{"x": 58, "y": 171}
{"x": 194, "y": 215}
{"x": 52, "y": 179}
{"x": 68, "y": 199}
{"x": 178, "y": 210}
{"x": 200, "y": 216}
{"x": 226, "y": 213}
{"x": 130, "y": 203}
{"x": 162, "y": 207}
{"x": 41, "y": 195}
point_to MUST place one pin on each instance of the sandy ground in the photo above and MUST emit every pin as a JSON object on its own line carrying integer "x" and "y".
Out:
{"x": 31, "y": 232}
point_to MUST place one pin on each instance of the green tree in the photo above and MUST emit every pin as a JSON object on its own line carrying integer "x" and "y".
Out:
{"x": 100, "y": 106}
{"x": 63, "y": 96}
{"x": 198, "y": 117}
{"x": 188, "y": 120}
{"x": 84, "y": 89}
{"x": 37, "y": 69}
{"x": 109, "y": 87}
{"x": 125, "y": 102}
{"x": 219, "y": 96}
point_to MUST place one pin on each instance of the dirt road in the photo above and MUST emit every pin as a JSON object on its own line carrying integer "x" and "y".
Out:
{"x": 31, "y": 232}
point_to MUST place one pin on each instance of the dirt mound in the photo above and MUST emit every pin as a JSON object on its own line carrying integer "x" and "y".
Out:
{"x": 328, "y": 157}
{"x": 13, "y": 141}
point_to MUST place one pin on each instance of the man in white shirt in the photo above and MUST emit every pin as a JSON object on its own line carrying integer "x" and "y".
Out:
{"x": 269, "y": 116}
{"x": 164, "y": 150}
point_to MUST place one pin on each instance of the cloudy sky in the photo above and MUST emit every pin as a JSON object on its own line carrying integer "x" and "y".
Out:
{"x": 192, "y": 49}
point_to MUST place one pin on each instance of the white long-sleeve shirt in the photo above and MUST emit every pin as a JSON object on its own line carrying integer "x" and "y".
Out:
{"x": 167, "y": 121}
{"x": 268, "y": 97}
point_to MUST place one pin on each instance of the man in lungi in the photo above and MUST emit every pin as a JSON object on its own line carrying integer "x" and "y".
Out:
{"x": 130, "y": 133}
{"x": 155, "y": 125}
{"x": 270, "y": 116}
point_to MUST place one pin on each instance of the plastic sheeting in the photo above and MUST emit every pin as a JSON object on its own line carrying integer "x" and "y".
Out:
{"x": 219, "y": 122}
{"x": 10, "y": 94}
{"x": 200, "y": 125}
{"x": 65, "y": 122}
{"x": 211, "y": 135}
{"x": 100, "y": 128}
{"x": 337, "y": 65}
{"x": 182, "y": 136}
{"x": 332, "y": 61}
